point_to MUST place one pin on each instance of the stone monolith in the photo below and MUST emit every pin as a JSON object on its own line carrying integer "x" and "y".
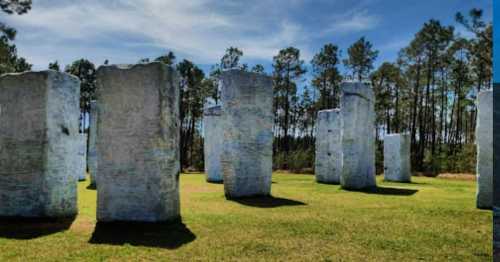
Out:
{"x": 328, "y": 163}
{"x": 92, "y": 153}
{"x": 247, "y": 113}
{"x": 138, "y": 137}
{"x": 358, "y": 136}
{"x": 82, "y": 157}
{"x": 39, "y": 114}
{"x": 484, "y": 140}
{"x": 213, "y": 139}
{"x": 397, "y": 164}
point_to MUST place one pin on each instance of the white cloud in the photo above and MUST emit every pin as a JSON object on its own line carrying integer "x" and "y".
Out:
{"x": 196, "y": 29}
{"x": 355, "y": 21}
{"x": 124, "y": 31}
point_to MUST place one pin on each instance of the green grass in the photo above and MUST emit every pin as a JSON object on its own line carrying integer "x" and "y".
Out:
{"x": 431, "y": 219}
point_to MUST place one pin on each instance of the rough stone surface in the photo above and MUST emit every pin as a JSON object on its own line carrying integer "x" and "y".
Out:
{"x": 247, "y": 112}
{"x": 92, "y": 152}
{"x": 39, "y": 114}
{"x": 328, "y": 163}
{"x": 138, "y": 133}
{"x": 397, "y": 165}
{"x": 496, "y": 170}
{"x": 214, "y": 137}
{"x": 484, "y": 140}
{"x": 358, "y": 136}
{"x": 82, "y": 157}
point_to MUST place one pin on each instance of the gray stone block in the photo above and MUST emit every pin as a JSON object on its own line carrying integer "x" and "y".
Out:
{"x": 358, "y": 137}
{"x": 328, "y": 163}
{"x": 92, "y": 153}
{"x": 397, "y": 164}
{"x": 138, "y": 134}
{"x": 82, "y": 157}
{"x": 39, "y": 113}
{"x": 484, "y": 140}
{"x": 213, "y": 139}
{"x": 247, "y": 113}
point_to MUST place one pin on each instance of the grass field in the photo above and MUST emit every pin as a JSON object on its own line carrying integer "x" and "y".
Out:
{"x": 431, "y": 219}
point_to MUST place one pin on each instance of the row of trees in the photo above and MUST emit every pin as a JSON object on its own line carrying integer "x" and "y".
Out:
{"x": 429, "y": 91}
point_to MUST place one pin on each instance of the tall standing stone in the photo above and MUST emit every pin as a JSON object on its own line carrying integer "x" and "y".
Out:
{"x": 39, "y": 113}
{"x": 138, "y": 134}
{"x": 92, "y": 152}
{"x": 358, "y": 137}
{"x": 397, "y": 164}
{"x": 328, "y": 163}
{"x": 496, "y": 172}
{"x": 82, "y": 157}
{"x": 484, "y": 140}
{"x": 247, "y": 112}
{"x": 212, "y": 146}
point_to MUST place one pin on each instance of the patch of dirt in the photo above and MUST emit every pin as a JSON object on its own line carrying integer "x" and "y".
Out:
{"x": 82, "y": 225}
{"x": 465, "y": 177}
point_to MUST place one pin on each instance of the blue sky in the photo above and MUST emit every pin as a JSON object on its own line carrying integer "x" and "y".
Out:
{"x": 123, "y": 31}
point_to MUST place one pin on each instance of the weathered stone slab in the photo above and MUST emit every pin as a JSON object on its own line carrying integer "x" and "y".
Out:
{"x": 82, "y": 157}
{"x": 138, "y": 134}
{"x": 496, "y": 170}
{"x": 484, "y": 140}
{"x": 213, "y": 139}
{"x": 358, "y": 136}
{"x": 397, "y": 165}
{"x": 247, "y": 112}
{"x": 328, "y": 163}
{"x": 92, "y": 152}
{"x": 39, "y": 114}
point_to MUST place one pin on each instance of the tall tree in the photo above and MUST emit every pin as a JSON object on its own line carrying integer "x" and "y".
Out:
{"x": 231, "y": 58}
{"x": 9, "y": 60}
{"x": 327, "y": 77}
{"x": 192, "y": 93}
{"x": 288, "y": 68}
{"x": 258, "y": 68}
{"x": 54, "y": 66}
{"x": 86, "y": 72}
{"x": 168, "y": 59}
{"x": 360, "y": 59}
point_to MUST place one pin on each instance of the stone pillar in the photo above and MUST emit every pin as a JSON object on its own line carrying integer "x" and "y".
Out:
{"x": 138, "y": 135}
{"x": 212, "y": 146}
{"x": 484, "y": 140}
{"x": 39, "y": 114}
{"x": 328, "y": 164}
{"x": 358, "y": 136}
{"x": 82, "y": 157}
{"x": 496, "y": 175}
{"x": 92, "y": 153}
{"x": 247, "y": 112}
{"x": 397, "y": 164}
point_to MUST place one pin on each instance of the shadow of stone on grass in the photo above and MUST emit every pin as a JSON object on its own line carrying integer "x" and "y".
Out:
{"x": 392, "y": 191}
{"x": 267, "y": 201}
{"x": 216, "y": 182}
{"x": 169, "y": 235}
{"x": 30, "y": 228}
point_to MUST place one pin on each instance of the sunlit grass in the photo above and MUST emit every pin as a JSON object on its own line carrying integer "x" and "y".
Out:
{"x": 430, "y": 220}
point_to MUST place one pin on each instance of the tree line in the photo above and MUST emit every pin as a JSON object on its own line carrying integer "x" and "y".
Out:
{"x": 428, "y": 92}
